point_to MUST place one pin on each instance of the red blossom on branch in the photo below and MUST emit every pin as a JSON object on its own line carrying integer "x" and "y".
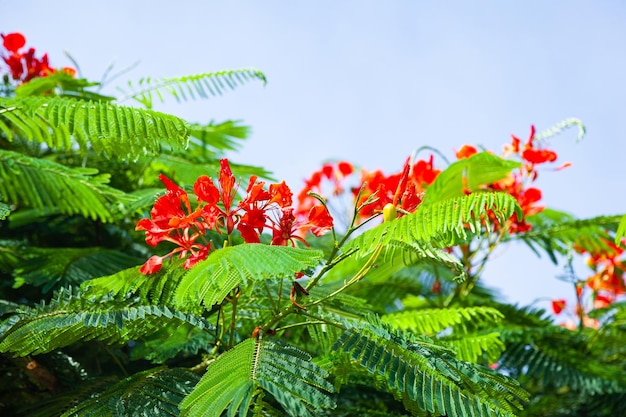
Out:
{"x": 173, "y": 219}
{"x": 24, "y": 65}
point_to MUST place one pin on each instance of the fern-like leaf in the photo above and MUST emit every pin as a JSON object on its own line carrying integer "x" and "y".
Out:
{"x": 432, "y": 321}
{"x": 151, "y": 393}
{"x": 442, "y": 223}
{"x": 473, "y": 347}
{"x": 284, "y": 371}
{"x": 190, "y": 86}
{"x": 562, "y": 125}
{"x": 46, "y": 185}
{"x": 69, "y": 318}
{"x": 184, "y": 341}
{"x": 556, "y": 233}
{"x": 115, "y": 131}
{"x": 62, "y": 84}
{"x": 621, "y": 230}
{"x": 427, "y": 375}
{"x": 228, "y": 381}
{"x": 211, "y": 280}
{"x": 54, "y": 267}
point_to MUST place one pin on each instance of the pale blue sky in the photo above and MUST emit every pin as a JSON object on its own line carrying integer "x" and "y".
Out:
{"x": 371, "y": 81}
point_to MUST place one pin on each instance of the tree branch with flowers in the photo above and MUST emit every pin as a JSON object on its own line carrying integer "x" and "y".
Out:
{"x": 146, "y": 273}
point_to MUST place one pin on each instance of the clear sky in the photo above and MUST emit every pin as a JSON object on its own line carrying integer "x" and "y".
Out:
{"x": 371, "y": 81}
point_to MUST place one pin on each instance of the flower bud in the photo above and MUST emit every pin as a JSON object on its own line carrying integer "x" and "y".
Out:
{"x": 389, "y": 212}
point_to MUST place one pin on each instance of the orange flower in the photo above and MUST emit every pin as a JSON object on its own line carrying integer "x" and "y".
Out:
{"x": 466, "y": 151}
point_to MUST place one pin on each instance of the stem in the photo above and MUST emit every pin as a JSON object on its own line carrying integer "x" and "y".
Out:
{"x": 275, "y": 308}
{"x": 356, "y": 278}
{"x": 233, "y": 316}
{"x": 302, "y": 323}
{"x": 469, "y": 254}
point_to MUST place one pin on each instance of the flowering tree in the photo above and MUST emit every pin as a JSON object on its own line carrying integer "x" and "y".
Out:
{"x": 147, "y": 274}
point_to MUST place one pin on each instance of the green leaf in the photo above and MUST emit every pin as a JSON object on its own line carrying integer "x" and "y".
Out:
{"x": 229, "y": 379}
{"x": 433, "y": 320}
{"x": 621, "y": 230}
{"x": 442, "y": 223}
{"x": 70, "y": 317}
{"x": 427, "y": 375}
{"x": 281, "y": 370}
{"x": 468, "y": 174}
{"x": 46, "y": 185}
{"x": 118, "y": 132}
{"x": 557, "y": 232}
{"x": 63, "y": 85}
{"x": 150, "y": 393}
{"x": 190, "y": 86}
{"x": 225, "y": 269}
{"x": 52, "y": 267}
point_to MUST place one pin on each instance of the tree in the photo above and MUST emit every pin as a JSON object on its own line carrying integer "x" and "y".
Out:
{"x": 220, "y": 296}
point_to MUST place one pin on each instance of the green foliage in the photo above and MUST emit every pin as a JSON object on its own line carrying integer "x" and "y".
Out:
{"x": 557, "y": 233}
{"x": 51, "y": 268}
{"x": 561, "y": 126}
{"x": 621, "y": 230}
{"x": 442, "y": 223}
{"x": 63, "y": 85}
{"x": 282, "y": 370}
{"x": 150, "y": 393}
{"x": 233, "y": 266}
{"x": 69, "y": 317}
{"x": 428, "y": 375}
{"x": 61, "y": 123}
{"x": 392, "y": 320}
{"x": 431, "y": 321}
{"x": 54, "y": 188}
{"x": 190, "y": 86}
{"x": 468, "y": 174}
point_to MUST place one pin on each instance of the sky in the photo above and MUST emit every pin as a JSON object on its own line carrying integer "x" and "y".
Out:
{"x": 372, "y": 81}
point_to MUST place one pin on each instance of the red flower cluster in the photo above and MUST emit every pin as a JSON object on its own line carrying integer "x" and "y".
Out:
{"x": 174, "y": 220}
{"x": 335, "y": 173}
{"x": 24, "y": 66}
{"x": 607, "y": 283}
{"x": 516, "y": 184}
{"x": 609, "y": 278}
{"x": 403, "y": 190}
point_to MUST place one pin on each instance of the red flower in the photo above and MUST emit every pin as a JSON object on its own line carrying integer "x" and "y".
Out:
{"x": 173, "y": 220}
{"x": 320, "y": 220}
{"x": 13, "y": 42}
{"x": 24, "y": 66}
{"x": 603, "y": 300}
{"x": 530, "y": 153}
{"x": 610, "y": 271}
{"x": 336, "y": 173}
{"x": 289, "y": 230}
{"x": 466, "y": 151}
{"x": 558, "y": 305}
{"x": 403, "y": 190}
{"x": 285, "y": 230}
{"x": 538, "y": 156}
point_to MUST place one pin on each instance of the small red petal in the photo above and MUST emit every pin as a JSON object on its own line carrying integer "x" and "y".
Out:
{"x": 320, "y": 219}
{"x": 466, "y": 151}
{"x": 13, "y": 42}
{"x": 345, "y": 168}
{"x": 205, "y": 190}
{"x": 558, "y": 305}
{"x": 152, "y": 265}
